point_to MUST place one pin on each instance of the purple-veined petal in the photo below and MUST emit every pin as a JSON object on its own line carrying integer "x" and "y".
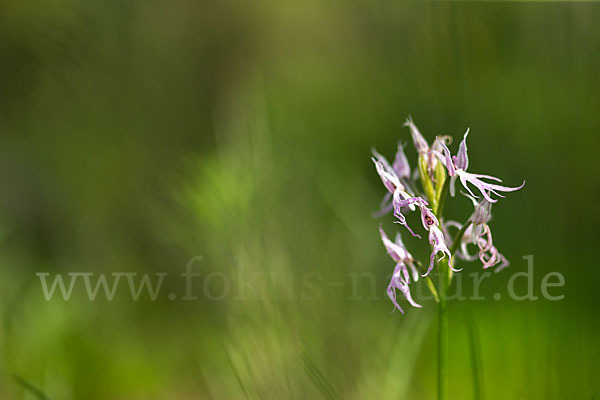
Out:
{"x": 400, "y": 165}
{"x": 487, "y": 254}
{"x": 400, "y": 202}
{"x": 400, "y": 282}
{"x": 404, "y": 200}
{"x": 406, "y": 292}
{"x": 398, "y": 240}
{"x": 391, "y": 292}
{"x": 420, "y": 143}
{"x": 436, "y": 239}
{"x": 414, "y": 272}
{"x": 447, "y": 160}
{"x": 452, "y": 185}
{"x": 390, "y": 246}
{"x": 381, "y": 158}
{"x": 484, "y": 187}
{"x": 463, "y": 181}
{"x": 396, "y": 249}
{"x": 462, "y": 159}
{"x": 402, "y": 221}
{"x": 479, "y": 176}
{"x": 488, "y": 238}
{"x": 436, "y": 147}
{"x": 388, "y": 176}
{"x": 482, "y": 210}
{"x": 493, "y": 188}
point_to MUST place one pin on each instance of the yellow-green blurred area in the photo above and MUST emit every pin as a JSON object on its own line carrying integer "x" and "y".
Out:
{"x": 136, "y": 135}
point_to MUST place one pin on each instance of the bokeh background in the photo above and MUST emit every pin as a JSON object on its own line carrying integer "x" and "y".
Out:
{"x": 137, "y": 135}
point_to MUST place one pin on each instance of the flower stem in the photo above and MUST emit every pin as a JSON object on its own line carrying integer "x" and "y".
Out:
{"x": 443, "y": 338}
{"x": 429, "y": 282}
{"x": 444, "y": 269}
{"x": 458, "y": 237}
{"x": 441, "y": 191}
{"x": 475, "y": 350}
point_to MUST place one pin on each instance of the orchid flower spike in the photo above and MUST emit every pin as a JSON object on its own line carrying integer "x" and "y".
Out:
{"x": 457, "y": 167}
{"x": 401, "y": 196}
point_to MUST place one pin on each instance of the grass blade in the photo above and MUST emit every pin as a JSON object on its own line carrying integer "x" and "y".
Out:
{"x": 30, "y": 388}
{"x": 237, "y": 376}
{"x": 319, "y": 379}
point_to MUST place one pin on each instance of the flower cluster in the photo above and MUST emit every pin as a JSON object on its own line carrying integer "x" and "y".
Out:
{"x": 436, "y": 164}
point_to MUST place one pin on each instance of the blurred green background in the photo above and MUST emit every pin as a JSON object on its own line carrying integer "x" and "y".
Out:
{"x": 137, "y": 135}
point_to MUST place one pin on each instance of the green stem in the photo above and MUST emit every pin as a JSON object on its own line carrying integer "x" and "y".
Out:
{"x": 428, "y": 281}
{"x": 444, "y": 269}
{"x": 475, "y": 354}
{"x": 458, "y": 237}
{"x": 443, "y": 338}
{"x": 437, "y": 199}
{"x": 441, "y": 195}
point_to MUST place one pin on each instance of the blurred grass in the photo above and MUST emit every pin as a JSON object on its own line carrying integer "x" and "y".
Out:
{"x": 134, "y": 137}
{"x": 30, "y": 388}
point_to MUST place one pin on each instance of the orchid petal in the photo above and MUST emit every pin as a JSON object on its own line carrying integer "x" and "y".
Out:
{"x": 400, "y": 165}
{"x": 390, "y": 246}
{"x": 436, "y": 239}
{"x": 452, "y": 185}
{"x": 503, "y": 263}
{"x": 391, "y": 292}
{"x": 484, "y": 187}
{"x": 404, "y": 224}
{"x": 462, "y": 159}
{"x": 420, "y": 143}
{"x": 396, "y": 249}
{"x": 397, "y": 283}
{"x": 388, "y": 176}
{"x": 413, "y": 270}
{"x": 448, "y": 160}
{"x": 381, "y": 159}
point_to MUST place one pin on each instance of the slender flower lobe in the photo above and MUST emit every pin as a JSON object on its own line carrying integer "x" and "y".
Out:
{"x": 420, "y": 143}
{"x": 456, "y": 167}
